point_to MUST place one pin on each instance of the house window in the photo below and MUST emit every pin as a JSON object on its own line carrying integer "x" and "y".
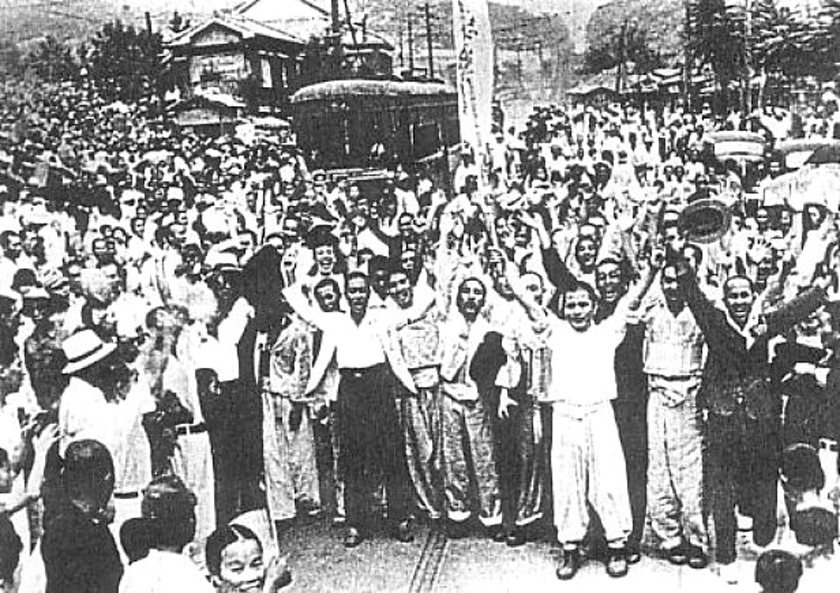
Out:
{"x": 267, "y": 81}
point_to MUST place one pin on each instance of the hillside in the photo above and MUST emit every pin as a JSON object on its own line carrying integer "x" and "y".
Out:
{"x": 661, "y": 20}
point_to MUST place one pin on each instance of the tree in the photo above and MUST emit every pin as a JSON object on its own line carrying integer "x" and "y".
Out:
{"x": 52, "y": 61}
{"x": 716, "y": 39}
{"x": 177, "y": 23}
{"x": 125, "y": 62}
{"x": 624, "y": 42}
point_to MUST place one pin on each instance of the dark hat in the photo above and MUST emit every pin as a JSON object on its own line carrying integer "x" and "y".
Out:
{"x": 778, "y": 570}
{"x": 815, "y": 526}
{"x": 801, "y": 469}
{"x": 319, "y": 236}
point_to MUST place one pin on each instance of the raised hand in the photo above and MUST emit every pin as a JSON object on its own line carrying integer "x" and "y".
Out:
{"x": 277, "y": 575}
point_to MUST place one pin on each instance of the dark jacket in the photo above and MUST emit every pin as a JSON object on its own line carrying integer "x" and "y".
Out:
{"x": 80, "y": 556}
{"x": 736, "y": 377}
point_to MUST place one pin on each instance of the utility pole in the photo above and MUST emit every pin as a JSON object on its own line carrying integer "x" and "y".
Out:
{"x": 620, "y": 67}
{"x": 410, "y": 46}
{"x": 335, "y": 33}
{"x": 428, "y": 13}
{"x": 402, "y": 49}
{"x": 687, "y": 58}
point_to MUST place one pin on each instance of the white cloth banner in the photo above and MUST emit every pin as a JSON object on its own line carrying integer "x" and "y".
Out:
{"x": 474, "y": 48}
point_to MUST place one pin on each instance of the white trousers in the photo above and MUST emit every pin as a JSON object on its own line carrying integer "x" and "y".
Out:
{"x": 587, "y": 466}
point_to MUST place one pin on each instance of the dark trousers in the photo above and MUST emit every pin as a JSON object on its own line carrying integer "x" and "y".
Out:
{"x": 631, "y": 419}
{"x": 236, "y": 443}
{"x": 742, "y": 461}
{"x": 521, "y": 463}
{"x": 372, "y": 446}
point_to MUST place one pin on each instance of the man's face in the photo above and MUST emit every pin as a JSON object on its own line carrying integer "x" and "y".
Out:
{"x": 138, "y": 225}
{"x": 533, "y": 286}
{"x": 325, "y": 258}
{"x": 407, "y": 260}
{"x": 406, "y": 225}
{"x": 14, "y": 247}
{"x": 30, "y": 242}
{"x": 738, "y": 297}
{"x": 379, "y": 280}
{"x": 608, "y": 281}
{"x": 579, "y": 309}
{"x": 358, "y": 294}
{"x": 762, "y": 219}
{"x": 585, "y": 253}
{"x": 785, "y": 220}
{"x": 112, "y": 275}
{"x": 670, "y": 287}
{"x": 100, "y": 250}
{"x": 291, "y": 228}
{"x": 400, "y": 289}
{"x": 327, "y": 298}
{"x": 179, "y": 234}
{"x": 471, "y": 297}
{"x": 674, "y": 238}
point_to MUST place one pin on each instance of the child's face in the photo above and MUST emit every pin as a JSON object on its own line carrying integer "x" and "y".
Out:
{"x": 242, "y": 567}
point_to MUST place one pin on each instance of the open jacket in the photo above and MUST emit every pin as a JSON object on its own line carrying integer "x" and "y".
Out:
{"x": 737, "y": 370}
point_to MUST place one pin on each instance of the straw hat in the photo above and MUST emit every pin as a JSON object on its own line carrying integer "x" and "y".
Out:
{"x": 83, "y": 349}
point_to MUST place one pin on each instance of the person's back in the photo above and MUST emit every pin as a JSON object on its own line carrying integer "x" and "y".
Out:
{"x": 79, "y": 552}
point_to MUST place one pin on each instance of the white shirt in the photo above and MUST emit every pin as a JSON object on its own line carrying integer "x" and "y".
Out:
{"x": 357, "y": 346}
{"x": 582, "y": 363}
{"x": 164, "y": 572}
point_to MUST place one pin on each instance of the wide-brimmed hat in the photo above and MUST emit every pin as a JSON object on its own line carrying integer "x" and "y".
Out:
{"x": 84, "y": 349}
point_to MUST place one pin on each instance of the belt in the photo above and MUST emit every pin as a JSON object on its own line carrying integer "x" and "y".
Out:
{"x": 126, "y": 495}
{"x": 359, "y": 373}
{"x": 184, "y": 429}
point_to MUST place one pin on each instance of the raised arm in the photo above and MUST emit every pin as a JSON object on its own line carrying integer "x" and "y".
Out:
{"x": 555, "y": 268}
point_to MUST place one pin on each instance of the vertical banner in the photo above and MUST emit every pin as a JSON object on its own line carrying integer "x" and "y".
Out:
{"x": 474, "y": 48}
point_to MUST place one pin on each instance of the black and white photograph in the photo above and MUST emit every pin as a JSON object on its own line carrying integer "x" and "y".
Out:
{"x": 419, "y": 296}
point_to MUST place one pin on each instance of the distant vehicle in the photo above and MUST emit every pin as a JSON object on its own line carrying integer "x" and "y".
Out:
{"x": 796, "y": 153}
{"x": 365, "y": 129}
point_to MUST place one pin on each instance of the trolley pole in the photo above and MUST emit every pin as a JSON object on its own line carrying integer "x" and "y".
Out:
{"x": 410, "y": 46}
{"x": 428, "y": 14}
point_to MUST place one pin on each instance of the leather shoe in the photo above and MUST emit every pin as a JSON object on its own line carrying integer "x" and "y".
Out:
{"x": 617, "y": 563}
{"x": 633, "y": 555}
{"x": 568, "y": 564}
{"x": 352, "y": 538}
{"x": 697, "y": 558}
{"x": 678, "y": 556}
{"x": 515, "y": 539}
{"x": 403, "y": 532}
{"x": 456, "y": 530}
{"x": 497, "y": 534}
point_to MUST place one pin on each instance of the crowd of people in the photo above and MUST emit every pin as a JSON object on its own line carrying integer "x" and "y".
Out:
{"x": 194, "y": 330}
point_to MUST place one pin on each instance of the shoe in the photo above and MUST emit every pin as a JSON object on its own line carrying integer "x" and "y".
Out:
{"x": 515, "y": 539}
{"x": 729, "y": 572}
{"x": 697, "y": 558}
{"x": 352, "y": 538}
{"x": 568, "y": 564}
{"x": 633, "y": 554}
{"x": 456, "y": 530}
{"x": 617, "y": 563}
{"x": 403, "y": 531}
{"x": 678, "y": 556}
{"x": 497, "y": 534}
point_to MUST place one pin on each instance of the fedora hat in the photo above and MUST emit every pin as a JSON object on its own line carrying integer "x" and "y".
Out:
{"x": 705, "y": 220}
{"x": 83, "y": 349}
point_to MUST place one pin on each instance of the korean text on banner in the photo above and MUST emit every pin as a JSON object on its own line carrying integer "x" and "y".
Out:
{"x": 474, "y": 48}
